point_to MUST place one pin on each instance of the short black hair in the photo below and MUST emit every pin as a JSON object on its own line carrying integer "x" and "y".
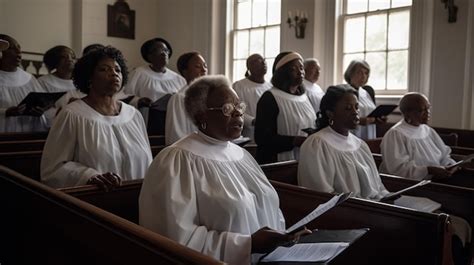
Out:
{"x": 183, "y": 61}
{"x": 52, "y": 56}
{"x": 146, "y": 47}
{"x": 92, "y": 47}
{"x": 329, "y": 101}
{"x": 85, "y": 66}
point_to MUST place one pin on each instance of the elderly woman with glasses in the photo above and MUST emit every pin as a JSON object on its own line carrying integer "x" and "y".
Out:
{"x": 206, "y": 192}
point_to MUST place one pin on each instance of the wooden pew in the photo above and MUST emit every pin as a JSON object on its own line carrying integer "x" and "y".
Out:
{"x": 17, "y": 136}
{"x": 398, "y": 234}
{"x": 40, "y": 225}
{"x": 22, "y": 145}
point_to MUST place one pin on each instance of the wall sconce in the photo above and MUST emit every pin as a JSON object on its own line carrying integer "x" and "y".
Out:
{"x": 452, "y": 10}
{"x": 299, "y": 22}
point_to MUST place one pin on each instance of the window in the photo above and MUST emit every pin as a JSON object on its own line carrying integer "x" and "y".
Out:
{"x": 256, "y": 30}
{"x": 378, "y": 31}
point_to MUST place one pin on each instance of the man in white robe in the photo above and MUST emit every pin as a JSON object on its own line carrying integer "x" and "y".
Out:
{"x": 312, "y": 69}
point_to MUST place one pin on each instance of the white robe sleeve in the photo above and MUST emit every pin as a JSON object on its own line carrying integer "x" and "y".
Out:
{"x": 396, "y": 158}
{"x": 57, "y": 166}
{"x": 316, "y": 169}
{"x": 168, "y": 205}
{"x": 445, "y": 150}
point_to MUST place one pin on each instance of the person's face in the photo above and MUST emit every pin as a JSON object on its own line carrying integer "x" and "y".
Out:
{"x": 67, "y": 58}
{"x": 159, "y": 54}
{"x": 196, "y": 67}
{"x": 346, "y": 113}
{"x": 107, "y": 77}
{"x": 258, "y": 66}
{"x": 421, "y": 113}
{"x": 360, "y": 76}
{"x": 11, "y": 57}
{"x": 296, "y": 72}
{"x": 220, "y": 126}
{"x": 312, "y": 72}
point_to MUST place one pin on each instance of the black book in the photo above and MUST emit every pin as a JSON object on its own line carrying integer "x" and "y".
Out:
{"x": 41, "y": 100}
{"x": 382, "y": 110}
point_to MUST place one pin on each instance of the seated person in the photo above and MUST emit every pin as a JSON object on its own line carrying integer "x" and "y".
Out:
{"x": 208, "y": 193}
{"x": 250, "y": 89}
{"x": 60, "y": 62}
{"x": 312, "y": 69}
{"x": 96, "y": 139}
{"x": 283, "y": 111}
{"x": 334, "y": 160}
{"x": 15, "y": 85}
{"x": 191, "y": 65}
{"x": 411, "y": 148}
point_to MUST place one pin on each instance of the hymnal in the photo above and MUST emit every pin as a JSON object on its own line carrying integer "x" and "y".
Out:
{"x": 40, "y": 100}
{"x": 382, "y": 110}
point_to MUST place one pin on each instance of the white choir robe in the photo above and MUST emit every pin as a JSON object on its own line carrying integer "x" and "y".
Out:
{"x": 52, "y": 84}
{"x": 209, "y": 195}
{"x": 296, "y": 113}
{"x": 250, "y": 92}
{"x": 334, "y": 163}
{"x": 178, "y": 123}
{"x": 144, "y": 82}
{"x": 366, "y": 106}
{"x": 83, "y": 143}
{"x": 408, "y": 150}
{"x": 64, "y": 100}
{"x": 14, "y": 87}
{"x": 315, "y": 94}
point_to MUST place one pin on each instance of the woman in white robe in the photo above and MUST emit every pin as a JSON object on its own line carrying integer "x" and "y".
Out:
{"x": 283, "y": 111}
{"x": 411, "y": 148}
{"x": 333, "y": 159}
{"x": 312, "y": 70}
{"x": 97, "y": 139}
{"x": 206, "y": 192}
{"x": 191, "y": 65}
{"x": 60, "y": 62}
{"x": 250, "y": 89}
{"x": 15, "y": 85}
{"x": 357, "y": 75}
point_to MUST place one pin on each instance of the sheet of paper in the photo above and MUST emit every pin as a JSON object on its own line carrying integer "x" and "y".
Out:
{"x": 313, "y": 252}
{"x": 394, "y": 195}
{"x": 322, "y": 208}
{"x": 418, "y": 203}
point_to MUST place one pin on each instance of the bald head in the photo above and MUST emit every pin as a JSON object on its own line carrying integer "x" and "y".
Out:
{"x": 257, "y": 66}
{"x": 412, "y": 102}
{"x": 312, "y": 70}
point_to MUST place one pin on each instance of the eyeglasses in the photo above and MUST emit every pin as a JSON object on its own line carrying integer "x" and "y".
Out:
{"x": 229, "y": 108}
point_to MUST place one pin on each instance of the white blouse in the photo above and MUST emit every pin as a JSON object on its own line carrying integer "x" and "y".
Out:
{"x": 334, "y": 163}
{"x": 178, "y": 123}
{"x": 408, "y": 150}
{"x": 83, "y": 143}
{"x": 209, "y": 195}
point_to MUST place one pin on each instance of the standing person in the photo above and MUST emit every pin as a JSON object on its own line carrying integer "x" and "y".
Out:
{"x": 97, "y": 139}
{"x": 283, "y": 111}
{"x": 60, "y": 62}
{"x": 250, "y": 89}
{"x": 312, "y": 70}
{"x": 191, "y": 65}
{"x": 357, "y": 75}
{"x": 207, "y": 193}
{"x": 15, "y": 85}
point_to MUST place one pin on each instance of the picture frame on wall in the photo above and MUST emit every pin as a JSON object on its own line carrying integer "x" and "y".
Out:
{"x": 120, "y": 20}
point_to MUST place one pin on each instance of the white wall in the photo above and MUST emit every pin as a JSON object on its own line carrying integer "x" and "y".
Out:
{"x": 289, "y": 42}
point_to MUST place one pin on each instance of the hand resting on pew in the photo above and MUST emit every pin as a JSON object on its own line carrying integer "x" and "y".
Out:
{"x": 265, "y": 240}
{"x": 106, "y": 181}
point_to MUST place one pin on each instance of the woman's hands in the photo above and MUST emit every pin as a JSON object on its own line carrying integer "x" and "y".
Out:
{"x": 106, "y": 181}
{"x": 266, "y": 239}
{"x": 21, "y": 110}
{"x": 442, "y": 172}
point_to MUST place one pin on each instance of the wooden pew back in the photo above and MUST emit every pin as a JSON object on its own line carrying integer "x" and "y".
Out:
{"x": 46, "y": 226}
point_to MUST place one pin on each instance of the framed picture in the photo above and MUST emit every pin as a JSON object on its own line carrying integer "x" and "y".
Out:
{"x": 120, "y": 20}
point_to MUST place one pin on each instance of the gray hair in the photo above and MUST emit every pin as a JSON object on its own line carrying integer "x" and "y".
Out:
{"x": 353, "y": 67}
{"x": 308, "y": 61}
{"x": 195, "y": 100}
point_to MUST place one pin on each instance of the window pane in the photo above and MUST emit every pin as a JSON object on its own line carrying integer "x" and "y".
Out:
{"x": 243, "y": 14}
{"x": 378, "y": 4}
{"x": 354, "y": 35}
{"x": 399, "y": 3}
{"x": 376, "y": 32}
{"x": 269, "y": 74}
{"x": 274, "y": 12}
{"x": 398, "y": 31}
{"x": 256, "y": 41}
{"x": 349, "y": 57}
{"x": 377, "y": 63}
{"x": 259, "y": 13}
{"x": 272, "y": 42}
{"x": 239, "y": 69}
{"x": 397, "y": 72}
{"x": 241, "y": 44}
{"x": 356, "y": 6}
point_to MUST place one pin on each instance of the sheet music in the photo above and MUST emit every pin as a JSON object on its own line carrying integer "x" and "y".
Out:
{"x": 394, "y": 195}
{"x": 322, "y": 208}
{"x": 467, "y": 159}
{"x": 312, "y": 252}
{"x": 418, "y": 203}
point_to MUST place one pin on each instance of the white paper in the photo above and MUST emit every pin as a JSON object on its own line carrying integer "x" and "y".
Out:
{"x": 311, "y": 252}
{"x": 322, "y": 208}
{"x": 418, "y": 203}
{"x": 396, "y": 194}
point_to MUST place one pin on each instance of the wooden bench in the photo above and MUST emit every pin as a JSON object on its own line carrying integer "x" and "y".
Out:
{"x": 17, "y": 136}
{"x": 40, "y": 225}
